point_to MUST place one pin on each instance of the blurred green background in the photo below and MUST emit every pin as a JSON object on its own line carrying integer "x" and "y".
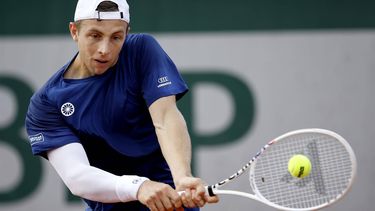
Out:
{"x": 52, "y": 16}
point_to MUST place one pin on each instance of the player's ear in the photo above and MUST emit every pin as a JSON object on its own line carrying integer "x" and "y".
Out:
{"x": 73, "y": 30}
{"x": 127, "y": 28}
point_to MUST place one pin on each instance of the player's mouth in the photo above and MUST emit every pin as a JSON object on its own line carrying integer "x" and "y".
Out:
{"x": 101, "y": 61}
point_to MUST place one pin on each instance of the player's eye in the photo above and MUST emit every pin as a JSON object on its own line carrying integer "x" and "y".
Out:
{"x": 117, "y": 38}
{"x": 94, "y": 36}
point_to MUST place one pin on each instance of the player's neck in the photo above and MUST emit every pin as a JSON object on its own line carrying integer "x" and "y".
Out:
{"x": 77, "y": 70}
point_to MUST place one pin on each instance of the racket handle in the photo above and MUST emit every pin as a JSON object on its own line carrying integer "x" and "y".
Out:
{"x": 209, "y": 191}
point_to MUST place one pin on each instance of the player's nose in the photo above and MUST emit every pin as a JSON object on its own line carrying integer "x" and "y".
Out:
{"x": 104, "y": 47}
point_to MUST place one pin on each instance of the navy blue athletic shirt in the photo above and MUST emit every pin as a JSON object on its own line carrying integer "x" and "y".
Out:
{"x": 108, "y": 114}
{"x": 111, "y": 108}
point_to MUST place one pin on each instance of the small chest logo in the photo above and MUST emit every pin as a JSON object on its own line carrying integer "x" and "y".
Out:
{"x": 67, "y": 109}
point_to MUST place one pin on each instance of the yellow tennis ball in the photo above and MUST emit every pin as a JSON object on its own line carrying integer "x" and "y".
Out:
{"x": 299, "y": 166}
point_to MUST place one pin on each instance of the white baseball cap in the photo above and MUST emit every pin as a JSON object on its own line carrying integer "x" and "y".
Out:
{"x": 87, "y": 9}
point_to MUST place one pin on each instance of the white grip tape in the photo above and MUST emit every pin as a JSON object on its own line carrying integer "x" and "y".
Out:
{"x": 207, "y": 190}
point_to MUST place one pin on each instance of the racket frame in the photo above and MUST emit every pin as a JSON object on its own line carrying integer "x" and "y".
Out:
{"x": 214, "y": 189}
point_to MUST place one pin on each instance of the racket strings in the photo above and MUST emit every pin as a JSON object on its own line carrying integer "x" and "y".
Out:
{"x": 330, "y": 175}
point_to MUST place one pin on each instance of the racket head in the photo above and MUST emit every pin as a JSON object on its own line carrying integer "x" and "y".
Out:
{"x": 332, "y": 174}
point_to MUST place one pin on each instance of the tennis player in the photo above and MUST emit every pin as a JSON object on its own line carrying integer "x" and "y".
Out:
{"x": 108, "y": 123}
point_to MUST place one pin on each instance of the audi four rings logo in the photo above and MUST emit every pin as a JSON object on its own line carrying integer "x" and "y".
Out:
{"x": 163, "y": 80}
{"x": 67, "y": 109}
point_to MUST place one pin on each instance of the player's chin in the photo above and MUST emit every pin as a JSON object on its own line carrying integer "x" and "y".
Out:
{"x": 100, "y": 69}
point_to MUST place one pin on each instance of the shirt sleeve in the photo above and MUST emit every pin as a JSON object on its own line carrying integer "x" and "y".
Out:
{"x": 45, "y": 128}
{"x": 160, "y": 77}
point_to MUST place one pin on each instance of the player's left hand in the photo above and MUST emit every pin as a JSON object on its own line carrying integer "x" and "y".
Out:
{"x": 194, "y": 194}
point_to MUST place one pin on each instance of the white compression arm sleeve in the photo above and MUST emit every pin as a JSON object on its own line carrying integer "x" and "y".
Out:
{"x": 72, "y": 165}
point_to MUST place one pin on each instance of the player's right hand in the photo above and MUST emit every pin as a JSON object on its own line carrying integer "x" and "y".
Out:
{"x": 159, "y": 197}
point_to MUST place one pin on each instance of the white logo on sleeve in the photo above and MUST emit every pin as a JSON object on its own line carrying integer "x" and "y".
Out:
{"x": 36, "y": 138}
{"x": 163, "y": 81}
{"x": 67, "y": 109}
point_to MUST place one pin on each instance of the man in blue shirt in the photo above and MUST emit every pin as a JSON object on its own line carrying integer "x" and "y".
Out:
{"x": 108, "y": 123}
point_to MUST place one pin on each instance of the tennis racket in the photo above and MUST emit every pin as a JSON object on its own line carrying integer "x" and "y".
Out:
{"x": 333, "y": 168}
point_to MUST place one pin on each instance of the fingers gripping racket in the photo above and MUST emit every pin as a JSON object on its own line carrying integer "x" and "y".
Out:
{"x": 333, "y": 168}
